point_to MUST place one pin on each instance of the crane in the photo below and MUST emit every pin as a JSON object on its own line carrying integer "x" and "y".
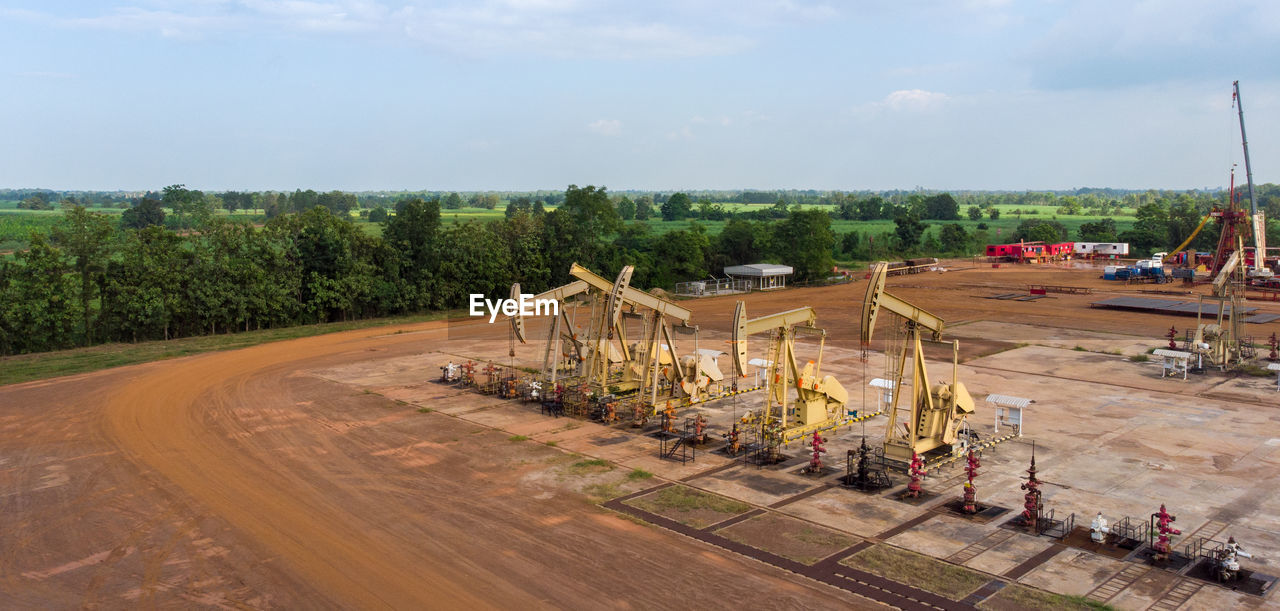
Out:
{"x": 820, "y": 400}
{"x": 1260, "y": 268}
{"x": 932, "y": 422}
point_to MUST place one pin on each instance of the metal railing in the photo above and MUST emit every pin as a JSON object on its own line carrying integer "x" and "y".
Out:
{"x": 716, "y": 286}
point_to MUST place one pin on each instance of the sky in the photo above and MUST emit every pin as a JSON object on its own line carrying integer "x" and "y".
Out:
{"x": 659, "y": 94}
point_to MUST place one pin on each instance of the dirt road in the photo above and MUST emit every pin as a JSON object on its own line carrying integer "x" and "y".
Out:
{"x": 234, "y": 479}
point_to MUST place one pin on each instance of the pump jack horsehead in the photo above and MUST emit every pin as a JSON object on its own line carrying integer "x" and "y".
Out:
{"x": 820, "y": 400}
{"x": 931, "y": 423}
{"x": 651, "y": 367}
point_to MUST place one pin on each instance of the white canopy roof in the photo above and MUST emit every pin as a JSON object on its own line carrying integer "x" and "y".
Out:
{"x": 1007, "y": 401}
{"x": 759, "y": 270}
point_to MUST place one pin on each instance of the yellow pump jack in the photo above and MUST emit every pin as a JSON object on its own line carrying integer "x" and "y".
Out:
{"x": 931, "y": 423}
{"x": 820, "y": 400}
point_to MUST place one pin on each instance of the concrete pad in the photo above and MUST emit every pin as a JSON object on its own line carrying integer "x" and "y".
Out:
{"x": 1110, "y": 436}
{"x": 1091, "y": 367}
{"x": 615, "y": 447}
{"x": 1055, "y": 337}
{"x": 509, "y": 418}
{"x": 854, "y": 512}
{"x": 1008, "y": 554}
{"x": 1073, "y": 572}
{"x": 1212, "y": 597}
{"x": 1145, "y": 591}
{"x": 672, "y": 469}
{"x": 942, "y": 536}
{"x": 757, "y": 486}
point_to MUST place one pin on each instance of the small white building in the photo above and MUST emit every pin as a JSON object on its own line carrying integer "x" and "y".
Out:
{"x": 1101, "y": 249}
{"x": 761, "y": 276}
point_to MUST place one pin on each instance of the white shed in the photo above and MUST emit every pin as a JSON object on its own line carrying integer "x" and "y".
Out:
{"x": 761, "y": 276}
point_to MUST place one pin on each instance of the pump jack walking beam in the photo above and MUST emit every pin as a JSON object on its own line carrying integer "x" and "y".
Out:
{"x": 935, "y": 415}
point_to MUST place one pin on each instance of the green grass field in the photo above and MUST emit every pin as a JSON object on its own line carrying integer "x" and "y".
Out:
{"x": 16, "y": 225}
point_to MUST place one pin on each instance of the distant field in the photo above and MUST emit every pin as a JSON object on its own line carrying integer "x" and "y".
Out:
{"x": 16, "y": 225}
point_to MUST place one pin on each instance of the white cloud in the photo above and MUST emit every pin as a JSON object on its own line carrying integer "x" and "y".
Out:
{"x": 606, "y": 127}
{"x": 914, "y": 100}
{"x": 595, "y": 29}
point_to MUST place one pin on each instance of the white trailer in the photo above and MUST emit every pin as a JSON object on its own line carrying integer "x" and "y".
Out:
{"x": 1101, "y": 249}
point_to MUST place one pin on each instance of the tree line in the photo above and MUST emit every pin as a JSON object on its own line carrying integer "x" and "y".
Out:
{"x": 91, "y": 280}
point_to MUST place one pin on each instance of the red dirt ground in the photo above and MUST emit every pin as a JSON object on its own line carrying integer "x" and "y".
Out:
{"x": 959, "y": 296}
{"x": 231, "y": 480}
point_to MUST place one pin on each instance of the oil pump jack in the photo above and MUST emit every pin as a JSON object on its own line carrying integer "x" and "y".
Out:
{"x": 820, "y": 400}
{"x": 602, "y": 357}
{"x": 931, "y": 423}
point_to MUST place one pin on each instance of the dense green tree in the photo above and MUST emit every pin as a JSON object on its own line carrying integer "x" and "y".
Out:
{"x": 975, "y": 213}
{"x": 143, "y": 293}
{"x": 850, "y": 244}
{"x": 472, "y": 265}
{"x": 378, "y": 215}
{"x": 1143, "y": 241}
{"x": 337, "y": 202}
{"x": 709, "y": 211}
{"x": 1099, "y": 231}
{"x": 953, "y": 238}
{"x": 413, "y": 233}
{"x": 780, "y": 209}
{"x": 517, "y": 205}
{"x": 993, "y": 213}
{"x": 180, "y": 200}
{"x": 39, "y": 301}
{"x": 147, "y": 213}
{"x": 871, "y": 208}
{"x": 1183, "y": 219}
{"x": 1033, "y": 230}
{"x": 37, "y": 201}
{"x": 85, "y": 237}
{"x": 626, "y": 209}
{"x": 741, "y": 242}
{"x": 522, "y": 235}
{"x": 805, "y": 241}
{"x": 644, "y": 207}
{"x": 1152, "y": 221}
{"x": 677, "y": 207}
{"x": 577, "y": 229}
{"x": 908, "y": 229}
{"x": 847, "y": 210}
{"x": 683, "y": 255}
{"x": 591, "y": 206}
{"x": 941, "y": 207}
{"x": 453, "y": 201}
